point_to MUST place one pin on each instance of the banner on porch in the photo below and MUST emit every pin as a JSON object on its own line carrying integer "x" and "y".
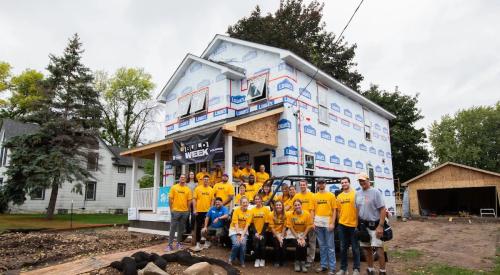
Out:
{"x": 199, "y": 148}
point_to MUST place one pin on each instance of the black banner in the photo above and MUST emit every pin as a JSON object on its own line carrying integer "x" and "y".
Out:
{"x": 199, "y": 148}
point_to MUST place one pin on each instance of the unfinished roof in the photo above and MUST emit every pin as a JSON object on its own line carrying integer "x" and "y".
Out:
{"x": 446, "y": 164}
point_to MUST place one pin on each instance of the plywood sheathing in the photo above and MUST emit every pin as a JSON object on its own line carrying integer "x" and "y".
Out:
{"x": 262, "y": 131}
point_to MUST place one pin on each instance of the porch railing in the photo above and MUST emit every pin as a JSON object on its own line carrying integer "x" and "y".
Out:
{"x": 143, "y": 198}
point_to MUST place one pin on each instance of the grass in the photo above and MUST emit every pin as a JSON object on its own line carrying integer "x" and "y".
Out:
{"x": 406, "y": 255}
{"x": 38, "y": 221}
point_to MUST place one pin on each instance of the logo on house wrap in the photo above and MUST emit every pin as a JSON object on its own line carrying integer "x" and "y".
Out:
{"x": 291, "y": 151}
{"x": 319, "y": 156}
{"x": 380, "y": 153}
{"x": 262, "y": 106}
{"x": 362, "y": 147}
{"x": 332, "y": 117}
{"x": 378, "y": 169}
{"x": 387, "y": 193}
{"x": 184, "y": 123}
{"x": 237, "y": 99}
{"x": 284, "y": 124}
{"x": 347, "y": 162}
{"x": 170, "y": 127}
{"x": 359, "y": 118}
{"x": 339, "y": 139}
{"x": 326, "y": 135}
{"x": 285, "y": 84}
{"x": 308, "y": 129}
{"x": 200, "y": 118}
{"x": 386, "y": 170}
{"x": 359, "y": 164}
{"x": 372, "y": 150}
{"x": 214, "y": 101}
{"x": 305, "y": 93}
{"x": 171, "y": 97}
{"x": 334, "y": 159}
{"x": 351, "y": 143}
{"x": 242, "y": 112}
{"x": 290, "y": 100}
{"x": 335, "y": 107}
{"x": 345, "y": 122}
{"x": 347, "y": 112}
{"x": 220, "y": 112}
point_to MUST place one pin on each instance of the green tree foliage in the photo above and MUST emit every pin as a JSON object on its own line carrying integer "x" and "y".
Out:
{"x": 26, "y": 92}
{"x": 147, "y": 180}
{"x": 409, "y": 154}
{"x": 299, "y": 28}
{"x": 4, "y": 75}
{"x": 127, "y": 106}
{"x": 470, "y": 137}
{"x": 69, "y": 116}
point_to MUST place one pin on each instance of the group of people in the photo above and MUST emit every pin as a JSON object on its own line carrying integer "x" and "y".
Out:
{"x": 296, "y": 218}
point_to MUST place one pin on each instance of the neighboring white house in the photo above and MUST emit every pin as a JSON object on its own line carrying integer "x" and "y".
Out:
{"x": 108, "y": 192}
{"x": 274, "y": 108}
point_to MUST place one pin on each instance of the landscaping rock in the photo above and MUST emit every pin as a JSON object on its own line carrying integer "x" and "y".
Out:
{"x": 202, "y": 268}
{"x": 152, "y": 269}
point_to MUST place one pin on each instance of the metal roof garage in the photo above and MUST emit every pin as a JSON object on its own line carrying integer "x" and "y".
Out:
{"x": 452, "y": 187}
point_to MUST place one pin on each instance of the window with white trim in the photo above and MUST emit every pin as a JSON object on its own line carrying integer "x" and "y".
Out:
{"x": 90, "y": 190}
{"x": 371, "y": 173}
{"x": 120, "y": 192}
{"x": 184, "y": 104}
{"x": 198, "y": 102}
{"x": 38, "y": 194}
{"x": 257, "y": 88}
{"x": 322, "y": 105}
{"x": 309, "y": 164}
{"x": 368, "y": 125}
{"x": 122, "y": 169}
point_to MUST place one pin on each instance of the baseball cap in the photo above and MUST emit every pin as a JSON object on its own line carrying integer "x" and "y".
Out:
{"x": 363, "y": 176}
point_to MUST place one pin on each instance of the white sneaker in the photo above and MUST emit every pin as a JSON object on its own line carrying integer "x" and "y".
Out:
{"x": 262, "y": 263}
{"x": 197, "y": 247}
{"x": 207, "y": 244}
{"x": 257, "y": 263}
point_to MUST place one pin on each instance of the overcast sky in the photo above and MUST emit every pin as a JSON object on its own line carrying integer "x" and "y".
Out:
{"x": 448, "y": 51}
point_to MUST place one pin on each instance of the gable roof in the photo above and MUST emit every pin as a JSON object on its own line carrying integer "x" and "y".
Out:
{"x": 230, "y": 71}
{"x": 13, "y": 128}
{"x": 453, "y": 164}
{"x": 306, "y": 67}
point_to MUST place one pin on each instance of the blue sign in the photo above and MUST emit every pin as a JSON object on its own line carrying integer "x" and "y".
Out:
{"x": 170, "y": 127}
{"x": 214, "y": 100}
{"x": 378, "y": 169}
{"x": 220, "y": 112}
{"x": 359, "y": 118}
{"x": 319, "y": 156}
{"x": 249, "y": 55}
{"x": 359, "y": 164}
{"x": 334, "y": 159}
{"x": 242, "y": 111}
{"x": 262, "y": 106}
{"x": 387, "y": 193}
{"x": 362, "y": 147}
{"x": 386, "y": 170}
{"x": 373, "y": 151}
{"x": 291, "y": 151}
{"x": 345, "y": 122}
{"x": 238, "y": 99}
{"x": 284, "y": 124}
{"x": 290, "y": 100}
{"x": 163, "y": 196}
{"x": 203, "y": 83}
{"x": 380, "y": 153}
{"x": 326, "y": 135}
{"x": 356, "y": 127}
{"x": 334, "y": 188}
{"x": 351, "y": 143}
{"x": 339, "y": 139}
{"x": 332, "y": 117}
{"x": 170, "y": 97}
{"x": 347, "y": 112}
{"x": 200, "y": 118}
{"x": 335, "y": 107}
{"x": 305, "y": 93}
{"x": 308, "y": 129}
{"x": 285, "y": 84}
{"x": 347, "y": 162}
{"x": 184, "y": 123}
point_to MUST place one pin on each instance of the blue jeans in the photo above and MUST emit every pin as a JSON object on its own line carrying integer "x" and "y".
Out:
{"x": 238, "y": 248}
{"x": 326, "y": 247}
{"x": 347, "y": 237}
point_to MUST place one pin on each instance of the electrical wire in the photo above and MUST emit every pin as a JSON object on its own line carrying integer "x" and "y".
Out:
{"x": 348, "y": 22}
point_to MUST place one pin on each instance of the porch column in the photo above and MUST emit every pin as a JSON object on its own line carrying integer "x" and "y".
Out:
{"x": 156, "y": 179}
{"x": 228, "y": 156}
{"x": 133, "y": 181}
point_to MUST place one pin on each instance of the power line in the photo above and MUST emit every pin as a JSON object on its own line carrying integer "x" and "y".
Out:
{"x": 348, "y": 22}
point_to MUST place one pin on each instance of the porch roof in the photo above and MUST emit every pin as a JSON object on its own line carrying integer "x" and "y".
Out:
{"x": 253, "y": 127}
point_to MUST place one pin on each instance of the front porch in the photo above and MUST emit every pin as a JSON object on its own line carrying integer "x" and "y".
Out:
{"x": 251, "y": 138}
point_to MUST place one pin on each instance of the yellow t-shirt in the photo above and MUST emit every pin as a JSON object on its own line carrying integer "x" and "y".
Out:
{"x": 288, "y": 202}
{"x": 223, "y": 190}
{"x": 267, "y": 197}
{"x": 245, "y": 173}
{"x": 203, "y": 197}
{"x": 237, "y": 199}
{"x": 251, "y": 190}
{"x": 346, "y": 203}
{"x": 307, "y": 200}
{"x": 241, "y": 218}
{"x": 236, "y": 173}
{"x": 299, "y": 223}
{"x": 179, "y": 197}
{"x": 259, "y": 217}
{"x": 324, "y": 204}
{"x": 200, "y": 176}
{"x": 276, "y": 223}
{"x": 215, "y": 177}
{"x": 261, "y": 177}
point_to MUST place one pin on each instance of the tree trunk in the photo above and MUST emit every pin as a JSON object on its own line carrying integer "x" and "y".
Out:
{"x": 52, "y": 201}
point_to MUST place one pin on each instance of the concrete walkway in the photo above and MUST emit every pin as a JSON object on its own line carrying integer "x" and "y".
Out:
{"x": 93, "y": 263}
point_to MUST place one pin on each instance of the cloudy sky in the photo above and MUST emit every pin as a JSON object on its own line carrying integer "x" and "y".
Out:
{"x": 447, "y": 51}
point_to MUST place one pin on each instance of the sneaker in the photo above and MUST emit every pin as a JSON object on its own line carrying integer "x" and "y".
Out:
{"x": 207, "y": 244}
{"x": 368, "y": 272}
{"x": 382, "y": 273}
{"x": 262, "y": 263}
{"x": 304, "y": 267}
{"x": 297, "y": 266}
{"x": 169, "y": 248}
{"x": 257, "y": 263}
{"x": 355, "y": 272}
{"x": 197, "y": 247}
{"x": 308, "y": 264}
{"x": 321, "y": 269}
{"x": 342, "y": 272}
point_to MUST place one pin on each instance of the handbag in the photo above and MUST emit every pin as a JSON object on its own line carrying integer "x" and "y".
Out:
{"x": 361, "y": 233}
{"x": 387, "y": 236}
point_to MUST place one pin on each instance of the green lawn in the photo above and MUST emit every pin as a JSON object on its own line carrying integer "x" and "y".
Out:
{"x": 38, "y": 221}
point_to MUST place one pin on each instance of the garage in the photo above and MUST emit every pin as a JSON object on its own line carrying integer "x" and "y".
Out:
{"x": 454, "y": 189}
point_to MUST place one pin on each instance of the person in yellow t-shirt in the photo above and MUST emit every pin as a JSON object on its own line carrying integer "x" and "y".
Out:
{"x": 241, "y": 193}
{"x": 277, "y": 220}
{"x": 262, "y": 175}
{"x": 258, "y": 228}
{"x": 300, "y": 224}
{"x": 216, "y": 175}
{"x": 201, "y": 174}
{"x": 236, "y": 172}
{"x": 252, "y": 188}
{"x": 238, "y": 231}
{"x": 246, "y": 172}
{"x": 348, "y": 221}
{"x": 266, "y": 194}
{"x": 224, "y": 190}
{"x": 289, "y": 203}
{"x": 324, "y": 223}
{"x": 307, "y": 199}
{"x": 202, "y": 201}
{"x": 179, "y": 199}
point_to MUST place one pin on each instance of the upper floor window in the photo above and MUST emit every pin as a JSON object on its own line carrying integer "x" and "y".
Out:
{"x": 193, "y": 103}
{"x": 92, "y": 161}
{"x": 3, "y": 156}
{"x": 371, "y": 173}
{"x": 257, "y": 88}
{"x": 322, "y": 105}
{"x": 368, "y": 125}
{"x": 122, "y": 169}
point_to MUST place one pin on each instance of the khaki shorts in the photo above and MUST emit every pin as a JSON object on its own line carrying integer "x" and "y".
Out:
{"x": 374, "y": 241}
